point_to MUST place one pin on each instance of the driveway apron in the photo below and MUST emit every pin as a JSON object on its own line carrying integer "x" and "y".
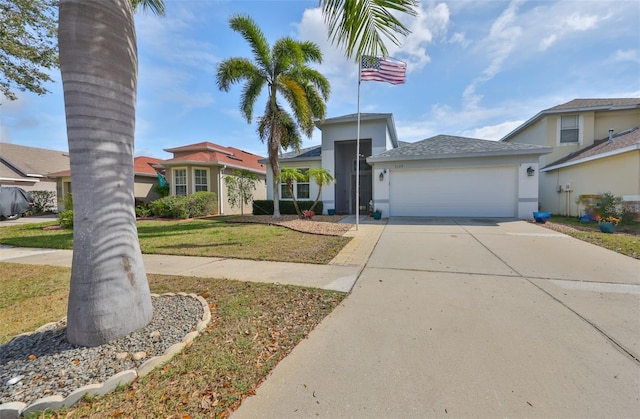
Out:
{"x": 471, "y": 318}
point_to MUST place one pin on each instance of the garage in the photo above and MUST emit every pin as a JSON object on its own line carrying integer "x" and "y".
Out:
{"x": 450, "y": 176}
{"x": 454, "y": 192}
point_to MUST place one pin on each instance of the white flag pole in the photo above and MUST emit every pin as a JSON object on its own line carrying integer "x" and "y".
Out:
{"x": 358, "y": 149}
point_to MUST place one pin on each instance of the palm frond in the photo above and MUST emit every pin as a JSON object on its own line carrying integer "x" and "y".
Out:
{"x": 154, "y": 6}
{"x": 246, "y": 27}
{"x": 361, "y": 27}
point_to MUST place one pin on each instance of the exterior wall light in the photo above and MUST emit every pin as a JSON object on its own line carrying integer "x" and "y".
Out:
{"x": 381, "y": 177}
{"x": 530, "y": 171}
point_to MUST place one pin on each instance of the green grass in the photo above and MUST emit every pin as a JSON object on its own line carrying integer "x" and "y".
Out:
{"x": 626, "y": 239}
{"x": 254, "y": 326}
{"x": 212, "y": 237}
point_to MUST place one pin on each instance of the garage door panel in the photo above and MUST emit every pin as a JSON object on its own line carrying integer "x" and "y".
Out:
{"x": 457, "y": 192}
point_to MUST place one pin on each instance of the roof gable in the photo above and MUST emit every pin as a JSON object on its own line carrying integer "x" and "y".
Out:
{"x": 209, "y": 154}
{"x": 579, "y": 105}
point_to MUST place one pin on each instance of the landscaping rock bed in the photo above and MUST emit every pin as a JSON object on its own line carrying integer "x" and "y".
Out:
{"x": 327, "y": 225}
{"x": 44, "y": 364}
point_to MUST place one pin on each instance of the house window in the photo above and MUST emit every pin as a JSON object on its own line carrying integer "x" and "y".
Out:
{"x": 200, "y": 180}
{"x": 300, "y": 188}
{"x": 569, "y": 130}
{"x": 180, "y": 181}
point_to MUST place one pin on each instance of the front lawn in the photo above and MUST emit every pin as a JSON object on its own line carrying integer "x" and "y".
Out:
{"x": 212, "y": 237}
{"x": 254, "y": 326}
{"x": 626, "y": 239}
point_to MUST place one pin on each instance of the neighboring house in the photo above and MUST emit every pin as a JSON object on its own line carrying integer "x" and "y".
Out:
{"x": 439, "y": 176}
{"x": 596, "y": 149}
{"x": 203, "y": 167}
{"x": 145, "y": 178}
{"x": 29, "y": 167}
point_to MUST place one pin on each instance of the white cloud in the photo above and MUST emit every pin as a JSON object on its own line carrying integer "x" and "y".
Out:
{"x": 626, "y": 55}
{"x": 493, "y": 132}
{"x": 580, "y": 22}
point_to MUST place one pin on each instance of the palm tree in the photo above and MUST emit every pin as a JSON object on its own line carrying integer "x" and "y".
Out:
{"x": 109, "y": 295}
{"x": 283, "y": 69}
{"x": 321, "y": 177}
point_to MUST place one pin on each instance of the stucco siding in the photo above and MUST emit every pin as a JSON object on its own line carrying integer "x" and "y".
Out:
{"x": 619, "y": 175}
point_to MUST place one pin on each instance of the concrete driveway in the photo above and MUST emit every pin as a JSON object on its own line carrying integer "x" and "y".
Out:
{"x": 471, "y": 318}
{"x": 28, "y": 220}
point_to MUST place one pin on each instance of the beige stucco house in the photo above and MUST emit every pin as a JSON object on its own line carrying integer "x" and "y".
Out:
{"x": 29, "y": 167}
{"x": 203, "y": 167}
{"x": 596, "y": 149}
{"x": 145, "y": 178}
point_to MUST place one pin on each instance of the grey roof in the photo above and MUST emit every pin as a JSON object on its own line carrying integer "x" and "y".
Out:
{"x": 309, "y": 153}
{"x": 28, "y": 161}
{"x": 579, "y": 105}
{"x": 621, "y": 142}
{"x": 449, "y": 146}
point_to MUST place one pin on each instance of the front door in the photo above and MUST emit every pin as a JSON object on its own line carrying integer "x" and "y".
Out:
{"x": 365, "y": 193}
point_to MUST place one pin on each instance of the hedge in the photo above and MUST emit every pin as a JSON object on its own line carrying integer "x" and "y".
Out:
{"x": 265, "y": 207}
{"x": 195, "y": 205}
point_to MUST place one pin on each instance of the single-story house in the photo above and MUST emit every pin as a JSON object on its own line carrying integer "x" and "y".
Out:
{"x": 203, "y": 167}
{"x": 439, "y": 176}
{"x": 596, "y": 149}
{"x": 29, "y": 167}
{"x": 145, "y": 178}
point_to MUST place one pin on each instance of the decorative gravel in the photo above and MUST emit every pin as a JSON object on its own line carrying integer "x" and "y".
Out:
{"x": 326, "y": 225}
{"x": 44, "y": 363}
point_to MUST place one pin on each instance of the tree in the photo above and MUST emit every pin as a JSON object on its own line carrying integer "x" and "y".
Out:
{"x": 27, "y": 45}
{"x": 361, "y": 26}
{"x": 283, "y": 69}
{"x": 109, "y": 294}
{"x": 288, "y": 176}
{"x": 240, "y": 187}
{"x": 321, "y": 177}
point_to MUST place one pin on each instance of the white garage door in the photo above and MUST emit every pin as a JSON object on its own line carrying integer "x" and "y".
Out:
{"x": 454, "y": 192}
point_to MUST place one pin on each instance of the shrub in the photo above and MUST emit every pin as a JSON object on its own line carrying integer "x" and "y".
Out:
{"x": 201, "y": 203}
{"x": 143, "y": 210}
{"x": 43, "y": 201}
{"x": 162, "y": 191}
{"x": 66, "y": 219}
{"x": 194, "y": 205}
{"x": 265, "y": 207}
{"x": 609, "y": 205}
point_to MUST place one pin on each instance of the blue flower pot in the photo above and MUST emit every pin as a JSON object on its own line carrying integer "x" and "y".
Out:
{"x": 331, "y": 212}
{"x": 607, "y": 227}
{"x": 541, "y": 217}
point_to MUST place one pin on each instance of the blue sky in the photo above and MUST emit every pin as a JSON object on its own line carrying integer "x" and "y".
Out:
{"x": 474, "y": 68}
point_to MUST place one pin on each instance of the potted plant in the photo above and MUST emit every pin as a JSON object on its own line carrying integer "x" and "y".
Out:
{"x": 377, "y": 214}
{"x": 608, "y": 224}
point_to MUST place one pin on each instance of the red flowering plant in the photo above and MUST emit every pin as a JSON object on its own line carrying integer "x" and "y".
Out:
{"x": 308, "y": 214}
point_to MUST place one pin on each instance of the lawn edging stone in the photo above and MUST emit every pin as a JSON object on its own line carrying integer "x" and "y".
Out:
{"x": 12, "y": 410}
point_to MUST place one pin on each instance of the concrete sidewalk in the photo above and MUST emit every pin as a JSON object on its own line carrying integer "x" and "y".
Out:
{"x": 339, "y": 275}
{"x": 471, "y": 318}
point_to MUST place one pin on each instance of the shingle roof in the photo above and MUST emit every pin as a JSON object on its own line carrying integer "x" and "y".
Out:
{"x": 210, "y": 153}
{"x": 33, "y": 160}
{"x": 143, "y": 165}
{"x": 305, "y": 153}
{"x": 600, "y": 148}
{"x": 579, "y": 105}
{"x": 449, "y": 146}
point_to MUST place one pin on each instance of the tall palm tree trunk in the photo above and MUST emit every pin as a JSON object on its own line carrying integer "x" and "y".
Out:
{"x": 109, "y": 296}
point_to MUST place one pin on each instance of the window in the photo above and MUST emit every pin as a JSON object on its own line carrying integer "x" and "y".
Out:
{"x": 569, "y": 130}
{"x": 300, "y": 188}
{"x": 180, "y": 181}
{"x": 200, "y": 180}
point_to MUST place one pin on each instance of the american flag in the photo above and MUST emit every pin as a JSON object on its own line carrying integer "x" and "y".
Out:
{"x": 382, "y": 69}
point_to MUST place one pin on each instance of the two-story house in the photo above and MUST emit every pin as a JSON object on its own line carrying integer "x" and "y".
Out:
{"x": 596, "y": 149}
